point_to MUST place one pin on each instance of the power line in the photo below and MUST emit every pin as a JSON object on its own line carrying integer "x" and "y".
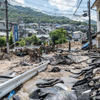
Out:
{"x": 63, "y": 3}
{"x": 78, "y": 7}
{"x": 50, "y": 13}
{"x": 58, "y": 3}
{"x": 41, "y": 6}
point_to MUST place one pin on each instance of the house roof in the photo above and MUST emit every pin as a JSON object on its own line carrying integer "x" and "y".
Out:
{"x": 43, "y": 38}
{"x": 77, "y": 32}
{"x": 47, "y": 36}
{"x": 96, "y": 3}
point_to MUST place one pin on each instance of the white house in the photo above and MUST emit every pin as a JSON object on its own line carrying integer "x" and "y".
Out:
{"x": 97, "y": 5}
{"x": 79, "y": 36}
{"x": 3, "y": 28}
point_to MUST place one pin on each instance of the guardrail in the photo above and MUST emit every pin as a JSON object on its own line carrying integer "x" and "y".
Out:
{"x": 8, "y": 86}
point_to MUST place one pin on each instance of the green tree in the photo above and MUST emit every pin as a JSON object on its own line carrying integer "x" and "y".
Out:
{"x": 34, "y": 39}
{"x": 59, "y": 36}
{"x": 11, "y": 38}
{"x": 2, "y": 41}
{"x": 21, "y": 42}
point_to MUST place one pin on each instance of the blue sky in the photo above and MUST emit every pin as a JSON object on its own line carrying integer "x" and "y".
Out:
{"x": 59, "y": 7}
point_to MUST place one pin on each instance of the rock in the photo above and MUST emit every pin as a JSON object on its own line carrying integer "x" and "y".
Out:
{"x": 96, "y": 71}
{"x": 55, "y": 69}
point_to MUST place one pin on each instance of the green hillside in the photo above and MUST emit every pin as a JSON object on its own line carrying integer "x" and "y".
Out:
{"x": 30, "y": 16}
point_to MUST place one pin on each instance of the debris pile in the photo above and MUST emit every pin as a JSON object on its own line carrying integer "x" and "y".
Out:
{"x": 61, "y": 58}
{"x": 88, "y": 87}
{"x": 73, "y": 44}
{"x": 52, "y": 89}
{"x": 69, "y": 76}
{"x": 65, "y": 58}
{"x": 35, "y": 55}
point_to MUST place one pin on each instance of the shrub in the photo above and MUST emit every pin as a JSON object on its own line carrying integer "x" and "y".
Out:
{"x": 60, "y": 41}
{"x": 59, "y": 36}
{"x": 34, "y": 39}
{"x": 21, "y": 42}
{"x": 11, "y": 38}
{"x": 3, "y": 41}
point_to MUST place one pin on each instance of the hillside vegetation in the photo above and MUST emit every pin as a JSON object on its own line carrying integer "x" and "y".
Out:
{"x": 30, "y": 16}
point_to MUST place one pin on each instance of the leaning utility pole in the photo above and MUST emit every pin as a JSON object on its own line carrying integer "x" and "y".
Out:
{"x": 7, "y": 34}
{"x": 90, "y": 35}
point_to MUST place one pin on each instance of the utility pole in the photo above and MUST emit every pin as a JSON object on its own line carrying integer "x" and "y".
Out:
{"x": 90, "y": 36}
{"x": 7, "y": 34}
{"x": 25, "y": 30}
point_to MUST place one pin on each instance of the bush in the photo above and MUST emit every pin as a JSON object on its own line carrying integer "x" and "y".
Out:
{"x": 62, "y": 40}
{"x": 11, "y": 38}
{"x": 34, "y": 39}
{"x": 21, "y": 42}
{"x": 59, "y": 36}
{"x": 28, "y": 40}
{"x": 3, "y": 41}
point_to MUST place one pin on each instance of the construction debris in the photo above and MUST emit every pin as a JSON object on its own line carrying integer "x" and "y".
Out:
{"x": 77, "y": 73}
{"x": 54, "y": 93}
{"x": 55, "y": 69}
{"x": 49, "y": 83}
{"x": 88, "y": 88}
{"x": 61, "y": 59}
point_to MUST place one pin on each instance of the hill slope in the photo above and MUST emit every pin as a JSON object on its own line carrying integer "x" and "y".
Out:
{"x": 92, "y": 22}
{"x": 15, "y": 12}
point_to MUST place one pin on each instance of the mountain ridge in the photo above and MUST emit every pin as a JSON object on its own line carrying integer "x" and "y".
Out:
{"x": 29, "y": 15}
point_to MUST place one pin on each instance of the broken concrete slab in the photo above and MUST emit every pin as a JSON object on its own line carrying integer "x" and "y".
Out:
{"x": 49, "y": 83}
{"x": 54, "y": 93}
{"x": 78, "y": 59}
{"x": 69, "y": 83}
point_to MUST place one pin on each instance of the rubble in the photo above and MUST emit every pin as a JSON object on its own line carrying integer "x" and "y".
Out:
{"x": 61, "y": 59}
{"x": 77, "y": 73}
{"x": 55, "y": 69}
{"x": 78, "y": 59}
{"x": 49, "y": 83}
{"x": 54, "y": 93}
{"x": 89, "y": 82}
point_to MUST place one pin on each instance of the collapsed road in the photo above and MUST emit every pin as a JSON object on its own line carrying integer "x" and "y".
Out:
{"x": 69, "y": 76}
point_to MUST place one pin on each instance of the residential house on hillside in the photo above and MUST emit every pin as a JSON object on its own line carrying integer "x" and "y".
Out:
{"x": 79, "y": 36}
{"x": 3, "y": 27}
{"x": 97, "y": 5}
{"x": 68, "y": 27}
{"x": 30, "y": 32}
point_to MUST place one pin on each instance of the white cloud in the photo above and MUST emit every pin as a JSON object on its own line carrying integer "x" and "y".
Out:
{"x": 63, "y": 4}
{"x": 17, "y": 2}
{"x": 20, "y": 1}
